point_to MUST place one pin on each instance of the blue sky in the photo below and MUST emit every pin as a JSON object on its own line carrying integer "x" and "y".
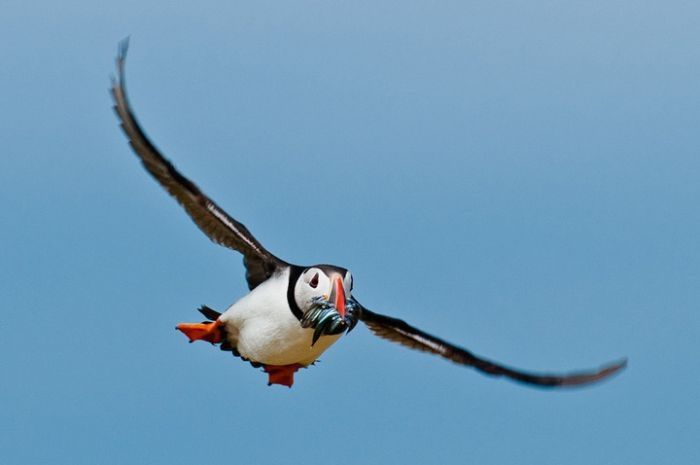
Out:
{"x": 518, "y": 177}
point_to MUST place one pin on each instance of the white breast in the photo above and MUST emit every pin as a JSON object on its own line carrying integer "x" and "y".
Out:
{"x": 263, "y": 328}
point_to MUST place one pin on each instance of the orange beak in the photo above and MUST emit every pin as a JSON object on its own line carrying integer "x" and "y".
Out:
{"x": 339, "y": 301}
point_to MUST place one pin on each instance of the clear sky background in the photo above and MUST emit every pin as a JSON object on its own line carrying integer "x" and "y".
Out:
{"x": 518, "y": 177}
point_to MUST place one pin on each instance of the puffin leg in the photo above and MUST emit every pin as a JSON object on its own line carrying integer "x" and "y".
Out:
{"x": 207, "y": 331}
{"x": 281, "y": 374}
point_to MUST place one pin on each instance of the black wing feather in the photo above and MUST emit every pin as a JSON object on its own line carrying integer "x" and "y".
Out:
{"x": 401, "y": 332}
{"x": 207, "y": 215}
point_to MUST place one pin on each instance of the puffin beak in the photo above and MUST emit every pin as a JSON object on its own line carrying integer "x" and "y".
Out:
{"x": 338, "y": 297}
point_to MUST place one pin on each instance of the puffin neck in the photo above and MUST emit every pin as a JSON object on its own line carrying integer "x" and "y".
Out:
{"x": 294, "y": 275}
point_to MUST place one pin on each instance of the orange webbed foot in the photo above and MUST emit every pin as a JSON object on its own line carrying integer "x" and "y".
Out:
{"x": 281, "y": 374}
{"x": 210, "y": 332}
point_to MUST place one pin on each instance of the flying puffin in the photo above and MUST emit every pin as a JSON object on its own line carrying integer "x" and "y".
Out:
{"x": 292, "y": 313}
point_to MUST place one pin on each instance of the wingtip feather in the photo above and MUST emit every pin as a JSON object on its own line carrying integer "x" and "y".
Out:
{"x": 123, "y": 48}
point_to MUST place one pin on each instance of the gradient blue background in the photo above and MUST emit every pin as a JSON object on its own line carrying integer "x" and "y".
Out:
{"x": 519, "y": 177}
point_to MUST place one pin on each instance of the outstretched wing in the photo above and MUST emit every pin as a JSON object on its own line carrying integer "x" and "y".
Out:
{"x": 399, "y": 331}
{"x": 211, "y": 219}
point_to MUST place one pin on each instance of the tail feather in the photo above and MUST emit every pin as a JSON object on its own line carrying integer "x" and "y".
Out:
{"x": 209, "y": 313}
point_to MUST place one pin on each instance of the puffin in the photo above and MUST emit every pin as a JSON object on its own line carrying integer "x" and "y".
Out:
{"x": 294, "y": 313}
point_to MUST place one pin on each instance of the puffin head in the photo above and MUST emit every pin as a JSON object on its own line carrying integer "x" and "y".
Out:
{"x": 324, "y": 295}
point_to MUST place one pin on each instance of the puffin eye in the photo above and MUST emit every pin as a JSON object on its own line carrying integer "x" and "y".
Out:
{"x": 314, "y": 281}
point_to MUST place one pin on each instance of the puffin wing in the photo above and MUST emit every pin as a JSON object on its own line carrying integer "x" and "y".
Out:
{"x": 399, "y": 331}
{"x": 211, "y": 219}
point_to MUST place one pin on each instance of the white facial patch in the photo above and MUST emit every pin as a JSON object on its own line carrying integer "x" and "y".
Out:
{"x": 312, "y": 284}
{"x": 347, "y": 283}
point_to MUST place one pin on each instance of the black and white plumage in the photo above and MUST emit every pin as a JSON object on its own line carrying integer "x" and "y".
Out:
{"x": 293, "y": 313}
